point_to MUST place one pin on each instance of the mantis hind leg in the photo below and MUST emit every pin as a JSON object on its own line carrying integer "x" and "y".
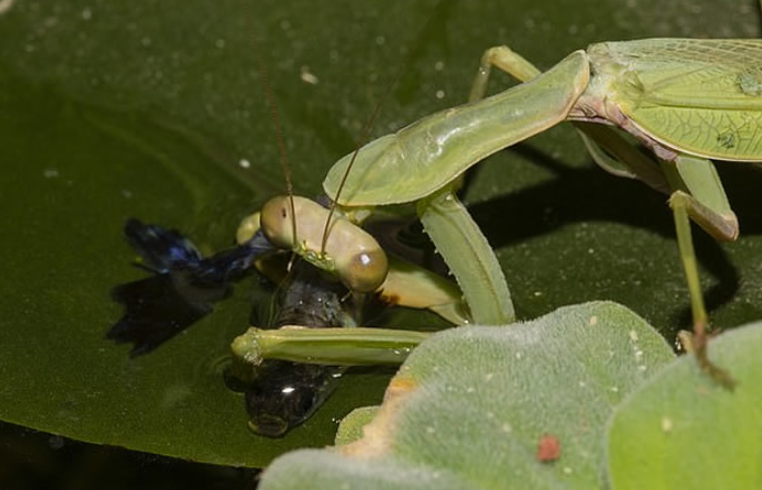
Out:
{"x": 684, "y": 206}
{"x": 699, "y": 197}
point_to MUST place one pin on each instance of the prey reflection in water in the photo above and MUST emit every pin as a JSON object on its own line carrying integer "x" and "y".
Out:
{"x": 183, "y": 288}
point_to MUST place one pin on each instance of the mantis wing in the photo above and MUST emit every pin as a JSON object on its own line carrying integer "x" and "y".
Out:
{"x": 702, "y": 97}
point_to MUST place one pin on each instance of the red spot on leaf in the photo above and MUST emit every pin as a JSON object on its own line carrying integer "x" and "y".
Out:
{"x": 549, "y": 448}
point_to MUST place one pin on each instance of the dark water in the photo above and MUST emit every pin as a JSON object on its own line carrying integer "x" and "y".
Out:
{"x": 33, "y": 459}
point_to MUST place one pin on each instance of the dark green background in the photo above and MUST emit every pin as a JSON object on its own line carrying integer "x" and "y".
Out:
{"x": 110, "y": 110}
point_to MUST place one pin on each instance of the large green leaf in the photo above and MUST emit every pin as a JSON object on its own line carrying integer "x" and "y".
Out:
{"x": 111, "y": 110}
{"x": 470, "y": 406}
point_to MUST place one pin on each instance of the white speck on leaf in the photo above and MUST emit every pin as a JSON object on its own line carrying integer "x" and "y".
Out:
{"x": 308, "y": 77}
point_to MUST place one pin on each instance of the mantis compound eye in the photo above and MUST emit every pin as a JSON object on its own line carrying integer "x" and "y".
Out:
{"x": 365, "y": 271}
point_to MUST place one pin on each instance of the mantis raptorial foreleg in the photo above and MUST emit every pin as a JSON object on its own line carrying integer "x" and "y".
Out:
{"x": 596, "y": 137}
{"x": 696, "y": 192}
{"x": 442, "y": 214}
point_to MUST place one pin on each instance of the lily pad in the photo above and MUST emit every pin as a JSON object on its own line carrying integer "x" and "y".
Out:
{"x": 470, "y": 406}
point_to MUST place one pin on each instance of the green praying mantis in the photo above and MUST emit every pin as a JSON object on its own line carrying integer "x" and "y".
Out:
{"x": 685, "y": 100}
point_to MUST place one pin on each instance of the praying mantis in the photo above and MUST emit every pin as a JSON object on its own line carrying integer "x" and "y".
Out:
{"x": 685, "y": 100}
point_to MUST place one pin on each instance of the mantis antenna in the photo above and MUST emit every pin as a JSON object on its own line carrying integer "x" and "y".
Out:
{"x": 360, "y": 143}
{"x": 265, "y": 81}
